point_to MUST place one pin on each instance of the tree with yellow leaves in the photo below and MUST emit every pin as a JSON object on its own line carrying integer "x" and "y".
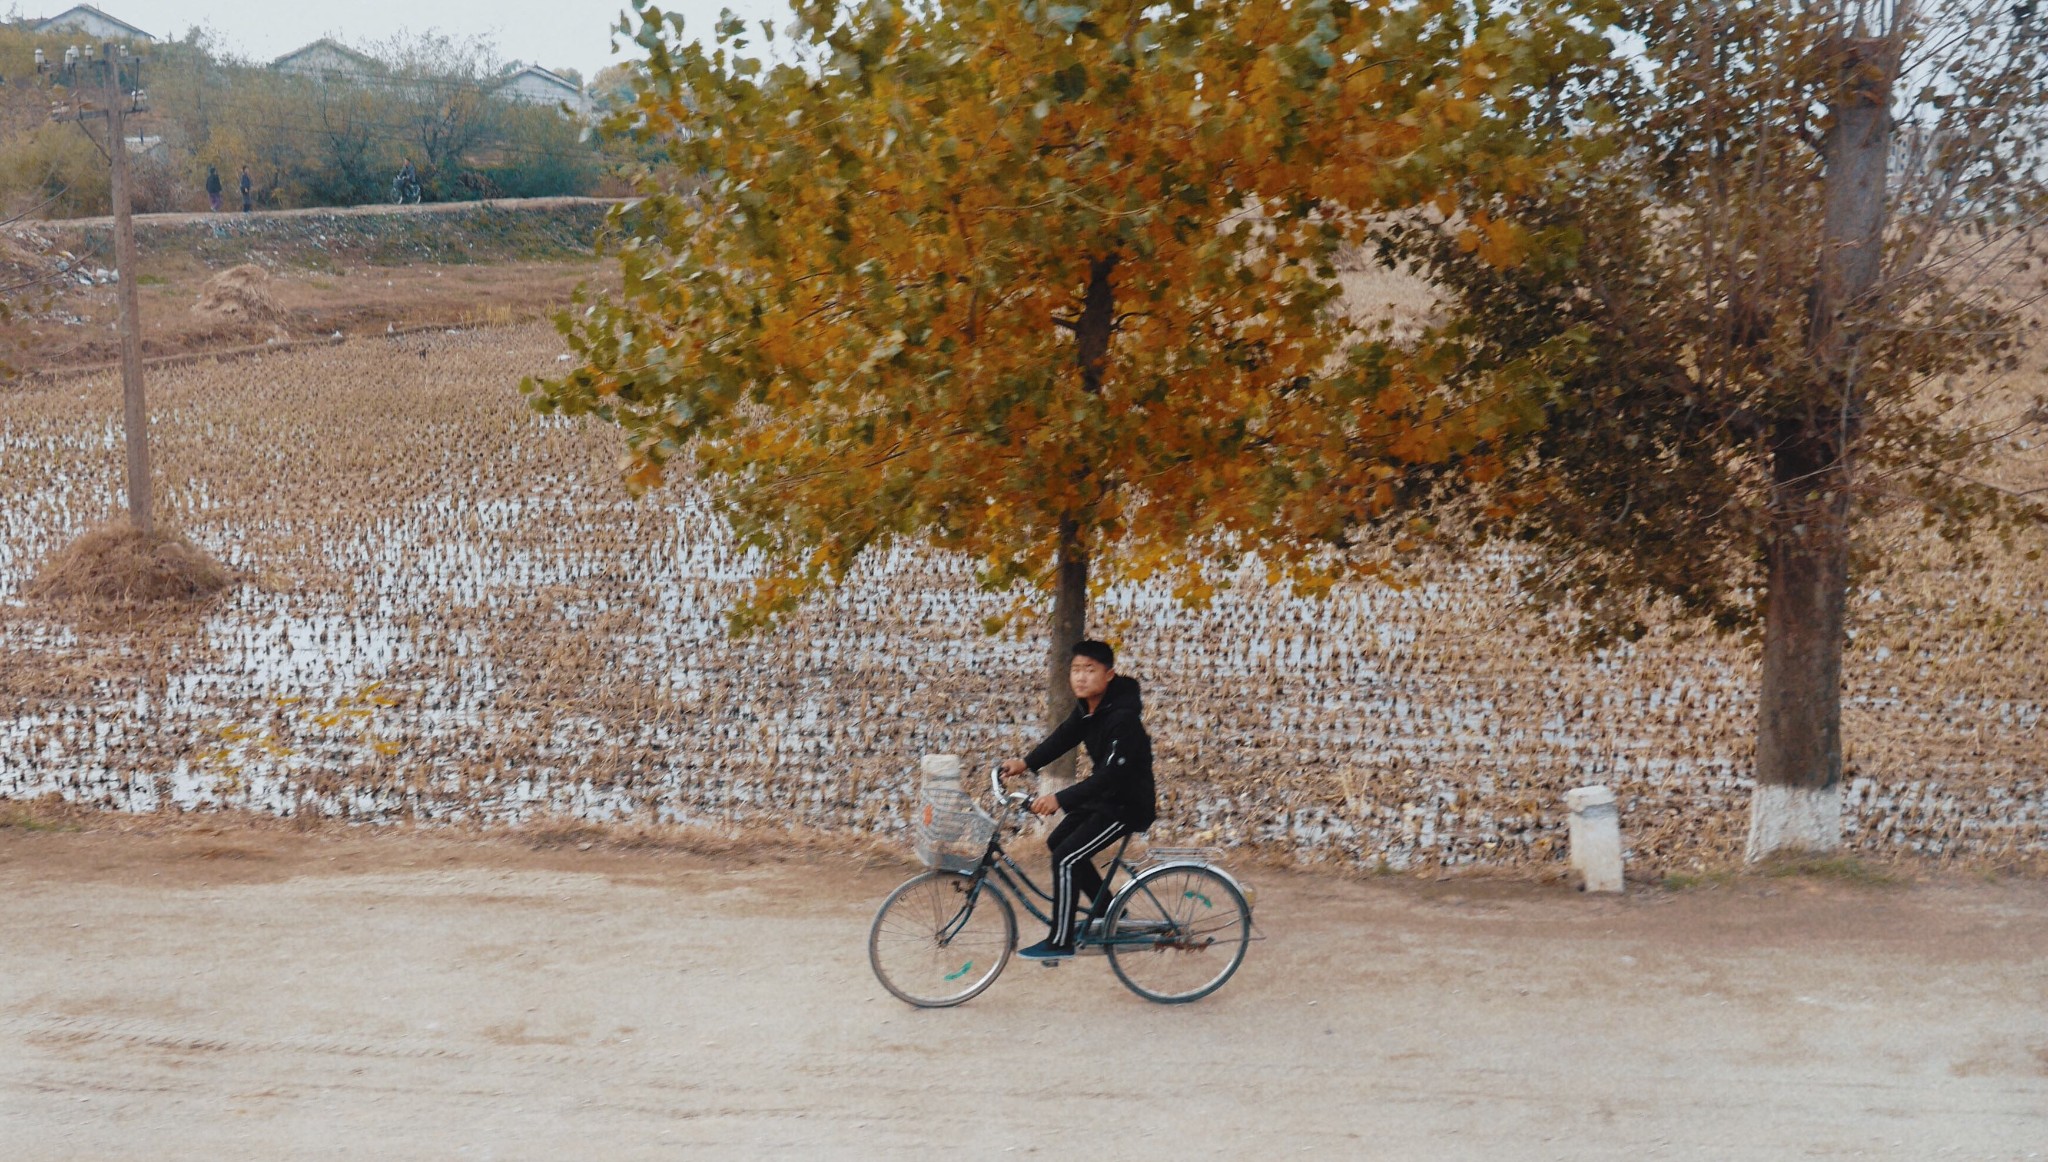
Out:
{"x": 1051, "y": 285}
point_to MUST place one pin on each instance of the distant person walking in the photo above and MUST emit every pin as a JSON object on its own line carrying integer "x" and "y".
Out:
{"x": 213, "y": 188}
{"x": 247, "y": 186}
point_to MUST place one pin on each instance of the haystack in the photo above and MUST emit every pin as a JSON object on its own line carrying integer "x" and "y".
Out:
{"x": 117, "y": 565}
{"x": 237, "y": 295}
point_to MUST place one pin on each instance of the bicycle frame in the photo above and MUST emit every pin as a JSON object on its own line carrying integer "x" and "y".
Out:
{"x": 998, "y": 864}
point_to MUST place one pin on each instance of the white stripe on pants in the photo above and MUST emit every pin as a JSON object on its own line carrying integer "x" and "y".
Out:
{"x": 1063, "y": 881}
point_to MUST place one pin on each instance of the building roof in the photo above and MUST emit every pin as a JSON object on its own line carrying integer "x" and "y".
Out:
{"x": 367, "y": 61}
{"x": 83, "y": 12}
{"x": 547, "y": 75}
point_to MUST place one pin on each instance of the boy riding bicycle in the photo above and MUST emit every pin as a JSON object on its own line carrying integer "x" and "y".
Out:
{"x": 1114, "y": 801}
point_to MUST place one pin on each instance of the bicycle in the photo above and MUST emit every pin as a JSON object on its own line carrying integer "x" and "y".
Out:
{"x": 1174, "y": 931}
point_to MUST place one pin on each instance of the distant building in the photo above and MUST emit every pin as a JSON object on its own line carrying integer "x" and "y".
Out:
{"x": 326, "y": 59}
{"x": 534, "y": 85}
{"x": 150, "y": 146}
{"x": 97, "y": 26}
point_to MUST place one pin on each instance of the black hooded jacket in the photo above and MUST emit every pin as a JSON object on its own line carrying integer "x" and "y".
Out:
{"x": 1120, "y": 750}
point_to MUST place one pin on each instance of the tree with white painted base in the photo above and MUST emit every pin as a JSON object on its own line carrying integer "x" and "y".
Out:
{"x": 1780, "y": 242}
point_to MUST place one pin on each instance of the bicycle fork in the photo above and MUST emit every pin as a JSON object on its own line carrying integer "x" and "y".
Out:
{"x": 961, "y": 917}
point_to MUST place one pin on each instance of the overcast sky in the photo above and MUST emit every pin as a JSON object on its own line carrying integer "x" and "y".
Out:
{"x": 554, "y": 33}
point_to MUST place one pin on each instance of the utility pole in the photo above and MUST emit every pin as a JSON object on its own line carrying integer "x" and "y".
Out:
{"x": 104, "y": 81}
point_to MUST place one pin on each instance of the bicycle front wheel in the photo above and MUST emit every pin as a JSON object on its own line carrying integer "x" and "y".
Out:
{"x": 933, "y": 946}
{"x": 1177, "y": 933}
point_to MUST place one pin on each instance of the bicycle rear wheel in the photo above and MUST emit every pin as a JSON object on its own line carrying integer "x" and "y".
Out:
{"x": 929, "y": 948}
{"x": 1177, "y": 933}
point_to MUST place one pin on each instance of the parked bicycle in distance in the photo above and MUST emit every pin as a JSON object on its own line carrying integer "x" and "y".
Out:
{"x": 1174, "y": 930}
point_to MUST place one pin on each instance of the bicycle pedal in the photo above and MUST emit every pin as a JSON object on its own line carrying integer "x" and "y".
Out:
{"x": 1052, "y": 963}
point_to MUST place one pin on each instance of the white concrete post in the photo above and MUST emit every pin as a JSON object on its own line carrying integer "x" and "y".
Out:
{"x": 1595, "y": 838}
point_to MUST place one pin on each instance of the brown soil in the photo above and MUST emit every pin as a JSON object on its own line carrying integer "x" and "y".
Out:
{"x": 303, "y": 304}
{"x": 208, "y": 989}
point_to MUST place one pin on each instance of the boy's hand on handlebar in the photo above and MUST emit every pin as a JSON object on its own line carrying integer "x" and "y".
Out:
{"x": 1042, "y": 805}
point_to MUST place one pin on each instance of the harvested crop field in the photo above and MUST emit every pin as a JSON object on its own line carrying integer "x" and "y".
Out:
{"x": 452, "y": 612}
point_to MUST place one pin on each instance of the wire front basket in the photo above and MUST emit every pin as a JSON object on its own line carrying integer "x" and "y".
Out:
{"x": 952, "y": 829}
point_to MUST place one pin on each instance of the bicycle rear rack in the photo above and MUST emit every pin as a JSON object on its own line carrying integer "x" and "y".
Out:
{"x": 1206, "y": 856}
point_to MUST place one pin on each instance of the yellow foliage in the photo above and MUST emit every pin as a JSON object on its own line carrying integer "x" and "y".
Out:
{"x": 980, "y": 275}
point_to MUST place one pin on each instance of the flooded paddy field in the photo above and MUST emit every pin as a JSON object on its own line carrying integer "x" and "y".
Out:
{"x": 452, "y": 612}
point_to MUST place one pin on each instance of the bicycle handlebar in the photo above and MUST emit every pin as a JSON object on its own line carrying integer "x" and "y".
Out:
{"x": 1011, "y": 798}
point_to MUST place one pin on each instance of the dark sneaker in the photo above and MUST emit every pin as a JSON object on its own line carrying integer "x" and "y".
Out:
{"x": 1045, "y": 950}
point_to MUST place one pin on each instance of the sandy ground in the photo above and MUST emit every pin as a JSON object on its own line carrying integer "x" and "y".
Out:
{"x": 256, "y": 993}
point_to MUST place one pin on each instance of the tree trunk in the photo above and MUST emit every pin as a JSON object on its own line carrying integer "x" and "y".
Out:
{"x": 1070, "y": 587}
{"x": 1069, "y": 625}
{"x": 1797, "y": 805}
{"x": 1798, "y": 800}
{"x": 1098, "y": 320}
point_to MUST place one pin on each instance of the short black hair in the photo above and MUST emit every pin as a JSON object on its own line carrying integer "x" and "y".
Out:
{"x": 1097, "y": 651}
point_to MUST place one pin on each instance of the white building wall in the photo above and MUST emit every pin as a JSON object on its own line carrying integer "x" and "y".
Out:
{"x": 93, "y": 26}
{"x": 322, "y": 60}
{"x": 533, "y": 89}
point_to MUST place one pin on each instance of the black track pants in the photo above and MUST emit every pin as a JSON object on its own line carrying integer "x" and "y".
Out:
{"x": 1074, "y": 878}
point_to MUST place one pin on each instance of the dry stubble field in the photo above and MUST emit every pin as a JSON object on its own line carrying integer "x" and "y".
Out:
{"x": 453, "y": 612}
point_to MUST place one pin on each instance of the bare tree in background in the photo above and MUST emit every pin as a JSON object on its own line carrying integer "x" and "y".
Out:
{"x": 445, "y": 106}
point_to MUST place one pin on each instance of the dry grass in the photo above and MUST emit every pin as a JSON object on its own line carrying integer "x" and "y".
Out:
{"x": 116, "y": 565}
{"x": 238, "y": 294}
{"x": 1846, "y": 869}
{"x": 44, "y": 813}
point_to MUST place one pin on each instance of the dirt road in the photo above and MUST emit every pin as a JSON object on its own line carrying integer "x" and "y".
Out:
{"x": 260, "y": 994}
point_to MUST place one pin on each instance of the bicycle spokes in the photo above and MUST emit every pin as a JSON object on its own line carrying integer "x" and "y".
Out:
{"x": 938, "y": 940}
{"x": 1178, "y": 933}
